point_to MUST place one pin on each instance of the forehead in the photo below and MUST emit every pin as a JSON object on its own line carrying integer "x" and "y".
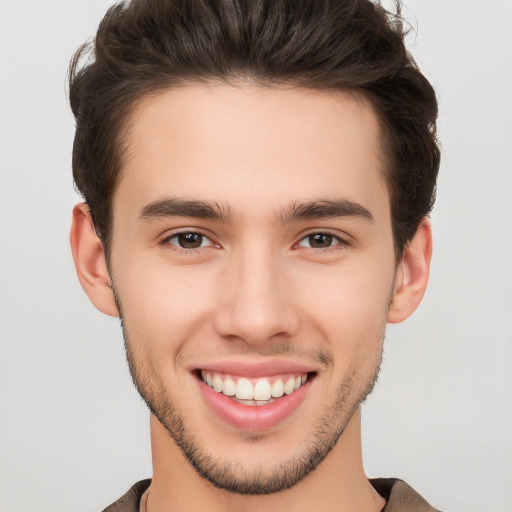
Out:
{"x": 245, "y": 144}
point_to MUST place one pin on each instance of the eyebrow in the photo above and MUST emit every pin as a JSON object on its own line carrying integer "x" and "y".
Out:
{"x": 324, "y": 209}
{"x": 174, "y": 207}
{"x": 317, "y": 209}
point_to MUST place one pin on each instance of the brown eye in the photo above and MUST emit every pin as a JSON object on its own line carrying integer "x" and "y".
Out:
{"x": 320, "y": 241}
{"x": 189, "y": 240}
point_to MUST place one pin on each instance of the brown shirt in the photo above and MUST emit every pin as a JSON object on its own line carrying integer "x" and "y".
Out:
{"x": 398, "y": 495}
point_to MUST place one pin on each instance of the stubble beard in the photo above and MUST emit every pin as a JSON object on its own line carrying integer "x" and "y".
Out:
{"x": 232, "y": 477}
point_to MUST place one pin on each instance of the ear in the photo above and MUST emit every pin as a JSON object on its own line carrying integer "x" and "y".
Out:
{"x": 90, "y": 263}
{"x": 412, "y": 275}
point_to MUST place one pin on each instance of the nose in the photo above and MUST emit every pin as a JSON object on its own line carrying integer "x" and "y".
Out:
{"x": 256, "y": 299}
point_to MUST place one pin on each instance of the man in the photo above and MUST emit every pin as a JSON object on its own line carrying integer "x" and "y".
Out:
{"x": 257, "y": 178}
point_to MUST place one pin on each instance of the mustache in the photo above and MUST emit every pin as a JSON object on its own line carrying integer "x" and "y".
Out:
{"x": 321, "y": 356}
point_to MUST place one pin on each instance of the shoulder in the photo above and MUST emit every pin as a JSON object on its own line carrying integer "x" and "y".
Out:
{"x": 131, "y": 500}
{"x": 400, "y": 497}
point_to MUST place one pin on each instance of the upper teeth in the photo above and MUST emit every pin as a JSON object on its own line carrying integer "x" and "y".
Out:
{"x": 261, "y": 389}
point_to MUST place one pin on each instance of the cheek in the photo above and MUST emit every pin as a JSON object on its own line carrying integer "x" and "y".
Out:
{"x": 160, "y": 303}
{"x": 349, "y": 305}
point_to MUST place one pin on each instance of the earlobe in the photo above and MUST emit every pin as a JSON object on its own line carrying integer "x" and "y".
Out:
{"x": 90, "y": 263}
{"x": 412, "y": 275}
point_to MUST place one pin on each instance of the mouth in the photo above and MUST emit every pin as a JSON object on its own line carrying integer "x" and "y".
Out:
{"x": 253, "y": 401}
{"x": 254, "y": 392}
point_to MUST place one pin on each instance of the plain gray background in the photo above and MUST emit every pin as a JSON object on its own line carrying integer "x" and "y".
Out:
{"x": 74, "y": 434}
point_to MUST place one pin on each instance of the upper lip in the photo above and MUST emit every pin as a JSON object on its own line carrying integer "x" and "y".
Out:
{"x": 265, "y": 368}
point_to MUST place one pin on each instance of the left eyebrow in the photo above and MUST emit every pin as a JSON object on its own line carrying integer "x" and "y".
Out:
{"x": 324, "y": 209}
{"x": 174, "y": 207}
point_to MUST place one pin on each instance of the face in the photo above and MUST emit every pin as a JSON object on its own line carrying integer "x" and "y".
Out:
{"x": 253, "y": 265}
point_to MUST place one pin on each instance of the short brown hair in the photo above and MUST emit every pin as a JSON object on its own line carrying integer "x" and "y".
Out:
{"x": 144, "y": 46}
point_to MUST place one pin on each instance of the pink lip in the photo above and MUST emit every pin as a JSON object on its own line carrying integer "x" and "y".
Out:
{"x": 253, "y": 369}
{"x": 252, "y": 418}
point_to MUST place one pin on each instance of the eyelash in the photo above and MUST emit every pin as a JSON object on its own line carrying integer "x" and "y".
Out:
{"x": 339, "y": 245}
{"x": 194, "y": 250}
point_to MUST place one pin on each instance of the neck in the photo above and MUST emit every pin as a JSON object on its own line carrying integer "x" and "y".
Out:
{"x": 338, "y": 483}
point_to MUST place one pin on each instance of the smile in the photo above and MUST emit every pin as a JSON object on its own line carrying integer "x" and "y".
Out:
{"x": 255, "y": 400}
{"x": 254, "y": 392}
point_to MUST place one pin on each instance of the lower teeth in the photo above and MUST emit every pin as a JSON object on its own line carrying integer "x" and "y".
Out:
{"x": 252, "y": 403}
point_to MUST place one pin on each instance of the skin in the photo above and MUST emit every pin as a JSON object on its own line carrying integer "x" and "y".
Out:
{"x": 258, "y": 288}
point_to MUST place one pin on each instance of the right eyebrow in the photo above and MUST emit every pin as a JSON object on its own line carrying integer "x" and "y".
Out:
{"x": 174, "y": 207}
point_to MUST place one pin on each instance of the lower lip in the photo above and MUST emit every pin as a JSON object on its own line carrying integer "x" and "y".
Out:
{"x": 252, "y": 418}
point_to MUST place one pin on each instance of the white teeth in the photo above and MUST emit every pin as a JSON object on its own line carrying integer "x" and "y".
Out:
{"x": 244, "y": 389}
{"x": 250, "y": 403}
{"x": 217, "y": 383}
{"x": 260, "y": 394}
{"x": 278, "y": 388}
{"x": 229, "y": 387}
{"x": 289, "y": 387}
{"x": 253, "y": 403}
{"x": 262, "y": 390}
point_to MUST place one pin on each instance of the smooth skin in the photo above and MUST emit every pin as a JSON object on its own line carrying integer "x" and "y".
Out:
{"x": 257, "y": 280}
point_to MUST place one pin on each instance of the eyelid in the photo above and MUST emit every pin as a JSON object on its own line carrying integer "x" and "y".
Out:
{"x": 342, "y": 241}
{"x": 168, "y": 236}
